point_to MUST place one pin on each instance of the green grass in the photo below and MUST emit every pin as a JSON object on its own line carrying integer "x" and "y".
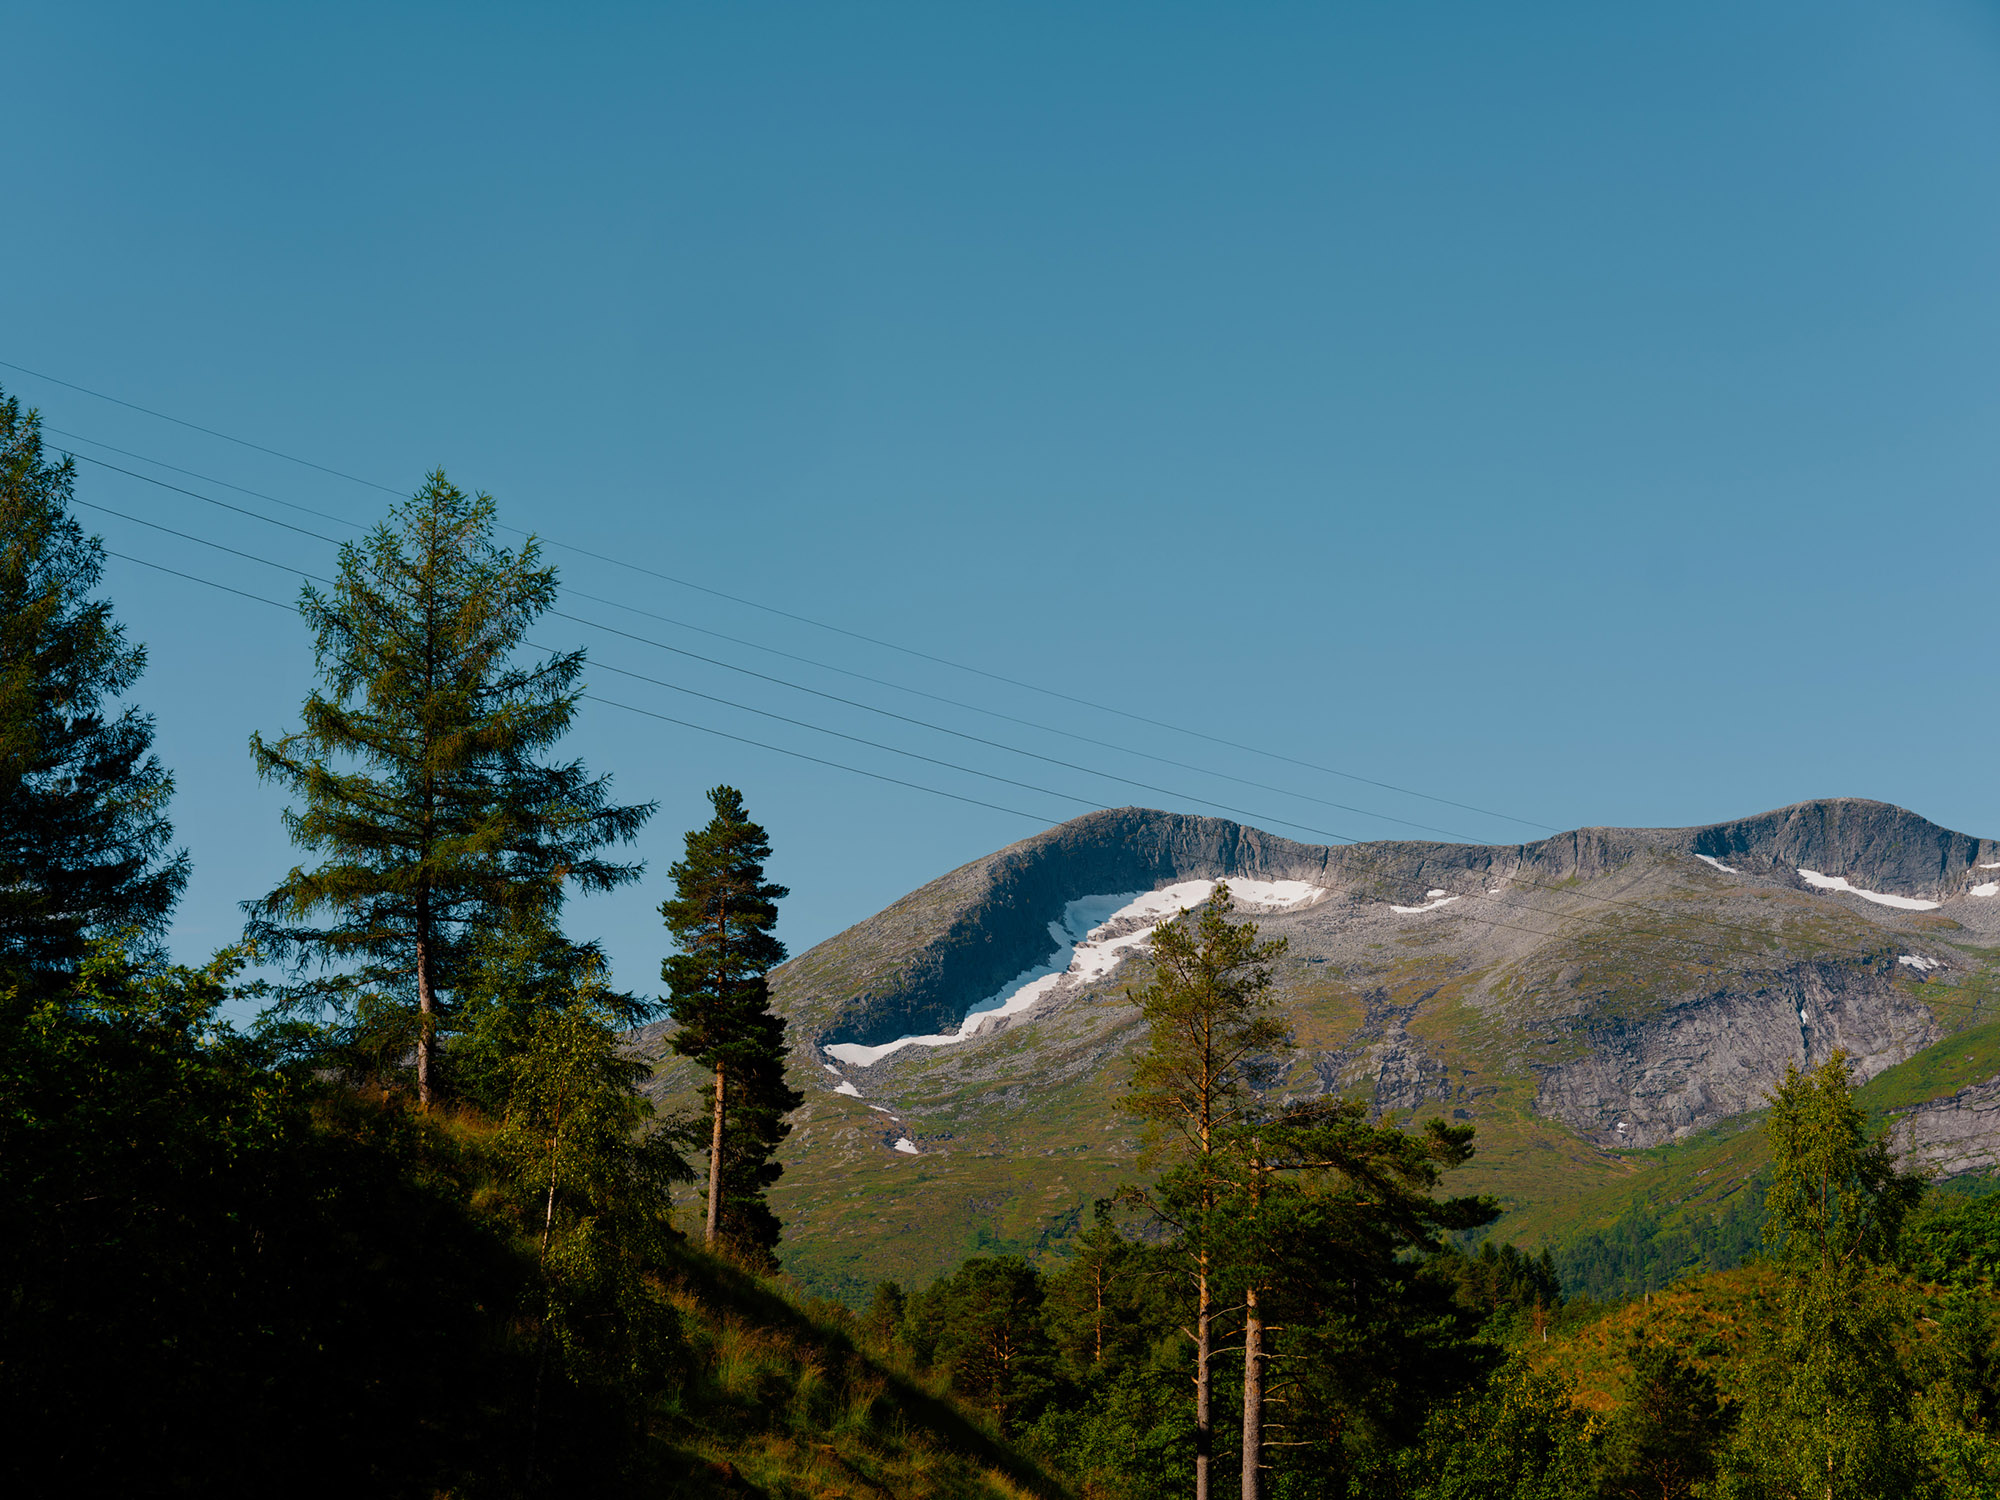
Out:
{"x": 1940, "y": 1070}
{"x": 782, "y": 1397}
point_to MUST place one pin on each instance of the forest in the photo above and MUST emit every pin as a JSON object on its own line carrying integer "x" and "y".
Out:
{"x": 415, "y": 1231}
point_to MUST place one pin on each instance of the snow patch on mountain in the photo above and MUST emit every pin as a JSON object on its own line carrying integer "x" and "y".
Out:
{"x": 1087, "y": 949}
{"x": 1919, "y": 963}
{"x": 1432, "y": 901}
{"x": 1839, "y": 883}
{"x": 1710, "y": 859}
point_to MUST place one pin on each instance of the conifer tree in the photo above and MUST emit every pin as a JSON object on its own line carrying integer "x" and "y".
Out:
{"x": 420, "y": 771}
{"x": 983, "y": 1324}
{"x": 83, "y": 825}
{"x": 1322, "y": 1226}
{"x": 721, "y": 916}
{"x": 1662, "y": 1443}
{"x": 1210, "y": 1044}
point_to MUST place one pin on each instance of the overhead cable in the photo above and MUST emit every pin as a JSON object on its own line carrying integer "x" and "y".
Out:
{"x": 814, "y": 622}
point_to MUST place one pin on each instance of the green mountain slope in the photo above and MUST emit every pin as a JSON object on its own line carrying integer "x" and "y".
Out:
{"x": 1600, "y": 1004}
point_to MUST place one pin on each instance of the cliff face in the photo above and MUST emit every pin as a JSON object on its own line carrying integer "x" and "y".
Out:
{"x": 1712, "y": 1055}
{"x": 1575, "y": 998}
{"x": 917, "y": 966}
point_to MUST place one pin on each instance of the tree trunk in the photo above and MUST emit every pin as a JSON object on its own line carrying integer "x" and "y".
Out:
{"x": 1204, "y": 1417}
{"x": 426, "y": 1009}
{"x": 715, "y": 1166}
{"x": 1097, "y": 1278}
{"x": 1253, "y": 1397}
{"x": 1253, "y": 1357}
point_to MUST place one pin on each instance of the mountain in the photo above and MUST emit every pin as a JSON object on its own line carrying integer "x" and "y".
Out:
{"x": 1594, "y": 1003}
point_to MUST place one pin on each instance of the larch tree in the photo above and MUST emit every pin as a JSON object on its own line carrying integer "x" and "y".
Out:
{"x": 84, "y": 834}
{"x": 721, "y": 916}
{"x": 1210, "y": 1050}
{"x": 422, "y": 776}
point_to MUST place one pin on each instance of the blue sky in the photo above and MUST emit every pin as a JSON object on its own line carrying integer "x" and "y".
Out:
{"x": 1584, "y": 413}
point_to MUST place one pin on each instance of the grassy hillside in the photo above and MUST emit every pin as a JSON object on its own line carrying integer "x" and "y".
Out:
{"x": 782, "y": 1399}
{"x": 1697, "y": 1205}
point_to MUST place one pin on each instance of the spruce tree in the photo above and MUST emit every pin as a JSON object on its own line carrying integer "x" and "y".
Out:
{"x": 422, "y": 780}
{"x": 721, "y": 915}
{"x": 1662, "y": 1443}
{"x": 83, "y": 825}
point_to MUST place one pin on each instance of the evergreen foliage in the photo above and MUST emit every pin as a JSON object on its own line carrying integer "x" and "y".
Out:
{"x": 1501, "y": 1279}
{"x": 210, "y": 1260}
{"x": 983, "y": 1325}
{"x": 1664, "y": 1442}
{"x": 230, "y": 1269}
{"x": 1329, "y": 1224}
{"x": 227, "y": 1275}
{"x": 1211, "y": 1047}
{"x": 83, "y": 801}
{"x": 721, "y": 916}
{"x": 886, "y": 1311}
{"x": 422, "y": 785}
{"x": 1105, "y": 1306}
{"x": 1642, "y": 1252}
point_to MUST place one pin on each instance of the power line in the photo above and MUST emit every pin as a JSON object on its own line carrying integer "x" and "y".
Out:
{"x": 1346, "y": 858}
{"x": 746, "y": 740}
{"x": 188, "y": 536}
{"x": 810, "y": 661}
{"x": 856, "y": 703}
{"x": 817, "y": 623}
{"x": 629, "y": 707}
{"x": 692, "y": 692}
{"x": 193, "y": 578}
{"x": 197, "y": 427}
{"x": 1969, "y": 1000}
{"x": 160, "y": 463}
{"x": 837, "y": 734}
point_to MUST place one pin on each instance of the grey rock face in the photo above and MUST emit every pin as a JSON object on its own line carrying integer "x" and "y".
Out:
{"x": 919, "y": 965}
{"x": 959, "y": 939}
{"x": 1956, "y": 1135}
{"x": 1719, "y": 1054}
{"x": 1684, "y": 1058}
{"x": 1876, "y": 845}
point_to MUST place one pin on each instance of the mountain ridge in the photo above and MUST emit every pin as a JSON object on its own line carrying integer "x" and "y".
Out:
{"x": 1138, "y": 848}
{"x": 1579, "y": 998}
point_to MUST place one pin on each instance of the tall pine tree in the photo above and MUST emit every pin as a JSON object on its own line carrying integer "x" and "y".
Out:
{"x": 721, "y": 915}
{"x": 83, "y": 824}
{"x": 421, "y": 775}
{"x": 1211, "y": 1036}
